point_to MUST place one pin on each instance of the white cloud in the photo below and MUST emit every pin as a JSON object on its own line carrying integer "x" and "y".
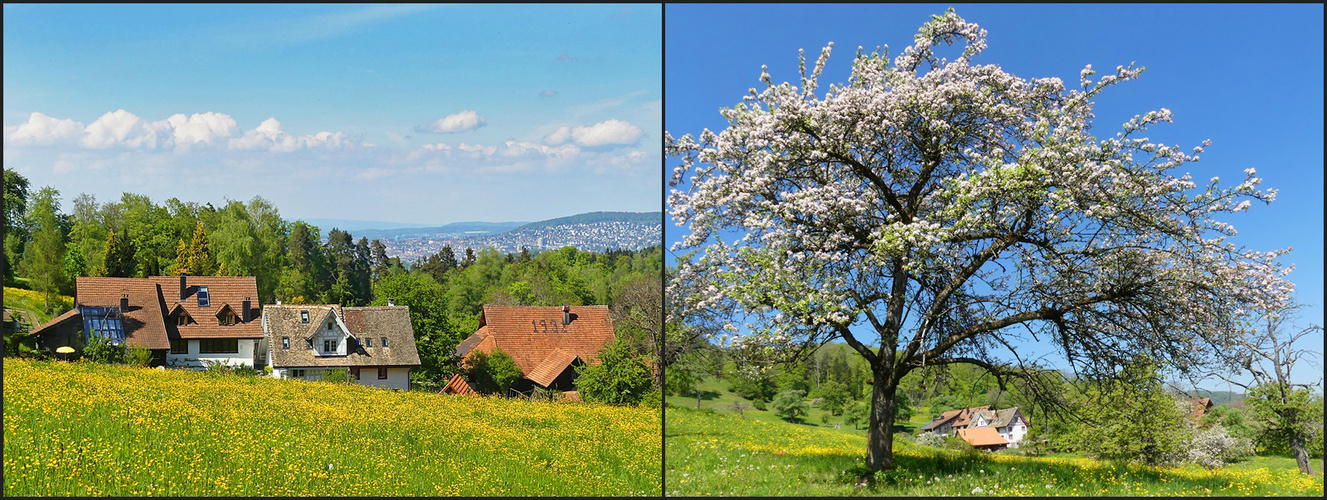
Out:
{"x": 460, "y": 122}
{"x": 268, "y": 136}
{"x": 559, "y": 136}
{"x": 42, "y": 129}
{"x": 201, "y": 128}
{"x": 548, "y": 93}
{"x": 605, "y": 133}
{"x": 122, "y": 128}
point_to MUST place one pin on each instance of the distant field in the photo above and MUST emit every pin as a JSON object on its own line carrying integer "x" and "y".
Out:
{"x": 95, "y": 430}
{"x": 722, "y": 454}
{"x": 718, "y": 398}
{"x": 33, "y": 304}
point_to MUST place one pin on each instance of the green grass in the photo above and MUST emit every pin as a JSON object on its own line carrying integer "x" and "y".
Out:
{"x": 84, "y": 429}
{"x": 719, "y": 454}
{"x": 32, "y": 306}
{"x": 718, "y": 398}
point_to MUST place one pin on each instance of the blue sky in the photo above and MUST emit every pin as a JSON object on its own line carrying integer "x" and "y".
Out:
{"x": 1249, "y": 77}
{"x": 410, "y": 113}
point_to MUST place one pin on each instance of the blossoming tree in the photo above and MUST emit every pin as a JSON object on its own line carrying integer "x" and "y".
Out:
{"x": 955, "y": 211}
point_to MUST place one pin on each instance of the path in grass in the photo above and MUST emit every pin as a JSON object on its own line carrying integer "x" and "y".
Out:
{"x": 717, "y": 454}
{"x": 94, "y": 430}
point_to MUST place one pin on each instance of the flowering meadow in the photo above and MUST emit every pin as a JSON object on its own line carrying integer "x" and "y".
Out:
{"x": 721, "y": 454}
{"x": 94, "y": 430}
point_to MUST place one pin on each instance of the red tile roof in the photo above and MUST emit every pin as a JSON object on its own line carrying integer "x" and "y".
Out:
{"x": 547, "y": 370}
{"x": 982, "y": 436}
{"x": 222, "y": 291}
{"x": 535, "y": 337}
{"x": 144, "y": 324}
{"x": 457, "y": 385}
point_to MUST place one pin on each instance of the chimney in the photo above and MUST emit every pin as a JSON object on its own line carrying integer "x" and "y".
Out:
{"x": 244, "y": 316}
{"x": 391, "y": 302}
{"x": 566, "y": 314}
{"x": 124, "y": 302}
{"x": 182, "y": 288}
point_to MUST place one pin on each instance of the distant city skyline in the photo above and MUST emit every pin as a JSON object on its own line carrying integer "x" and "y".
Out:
{"x": 423, "y": 114}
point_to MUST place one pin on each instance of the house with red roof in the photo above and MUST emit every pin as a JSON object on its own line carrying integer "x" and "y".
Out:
{"x": 981, "y": 426}
{"x": 546, "y": 343}
{"x": 186, "y": 321}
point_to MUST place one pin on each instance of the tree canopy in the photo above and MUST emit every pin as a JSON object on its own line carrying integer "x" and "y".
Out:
{"x": 953, "y": 211}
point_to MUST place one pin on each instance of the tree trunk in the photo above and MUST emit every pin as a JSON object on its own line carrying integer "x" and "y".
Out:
{"x": 1301, "y": 456}
{"x": 880, "y": 432}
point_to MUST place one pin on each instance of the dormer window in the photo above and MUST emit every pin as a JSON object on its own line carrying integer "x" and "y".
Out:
{"x": 228, "y": 318}
{"x": 329, "y": 345}
{"x": 181, "y": 319}
{"x": 304, "y": 316}
{"x": 203, "y": 298}
{"x": 368, "y": 341}
{"x": 329, "y": 325}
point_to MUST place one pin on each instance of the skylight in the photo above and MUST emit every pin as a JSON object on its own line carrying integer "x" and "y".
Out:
{"x": 103, "y": 322}
{"x": 203, "y": 300}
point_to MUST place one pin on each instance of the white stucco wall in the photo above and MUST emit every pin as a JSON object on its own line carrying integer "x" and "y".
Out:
{"x": 397, "y": 378}
{"x": 195, "y": 359}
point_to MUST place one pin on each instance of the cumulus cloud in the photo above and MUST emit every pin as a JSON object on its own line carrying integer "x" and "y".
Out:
{"x": 268, "y": 136}
{"x": 122, "y": 128}
{"x": 605, "y": 133}
{"x": 42, "y": 129}
{"x": 201, "y": 128}
{"x": 460, "y": 122}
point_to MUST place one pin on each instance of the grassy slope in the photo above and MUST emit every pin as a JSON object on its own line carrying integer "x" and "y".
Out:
{"x": 717, "y": 397}
{"x": 86, "y": 429}
{"x": 720, "y": 454}
{"x": 32, "y": 305}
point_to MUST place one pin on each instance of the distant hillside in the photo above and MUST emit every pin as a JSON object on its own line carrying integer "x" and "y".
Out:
{"x": 593, "y": 217}
{"x": 358, "y": 225}
{"x": 455, "y": 228}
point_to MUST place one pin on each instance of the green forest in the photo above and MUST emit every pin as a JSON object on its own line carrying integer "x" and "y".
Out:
{"x": 46, "y": 246}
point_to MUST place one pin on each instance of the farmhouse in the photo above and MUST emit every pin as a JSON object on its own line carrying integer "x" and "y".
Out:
{"x": 185, "y": 321}
{"x": 546, "y": 343}
{"x": 1199, "y": 408}
{"x": 1007, "y": 426}
{"x": 375, "y": 346}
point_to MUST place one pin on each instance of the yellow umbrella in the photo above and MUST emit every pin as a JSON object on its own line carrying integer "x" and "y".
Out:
{"x": 64, "y": 349}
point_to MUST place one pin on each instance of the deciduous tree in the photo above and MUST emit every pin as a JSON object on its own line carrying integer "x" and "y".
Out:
{"x": 953, "y": 210}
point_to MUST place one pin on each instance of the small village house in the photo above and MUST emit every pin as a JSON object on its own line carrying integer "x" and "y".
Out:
{"x": 186, "y": 321}
{"x": 1004, "y": 427}
{"x": 375, "y": 346}
{"x": 546, "y": 343}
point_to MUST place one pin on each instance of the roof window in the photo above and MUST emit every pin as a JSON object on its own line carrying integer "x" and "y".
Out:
{"x": 203, "y": 299}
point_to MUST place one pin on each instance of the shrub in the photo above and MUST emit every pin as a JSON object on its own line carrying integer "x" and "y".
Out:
{"x": 857, "y": 413}
{"x": 100, "y": 350}
{"x": 336, "y": 375}
{"x": 652, "y": 399}
{"x": 930, "y": 439}
{"x": 1214, "y": 447}
{"x": 759, "y": 404}
{"x": 621, "y": 377}
{"x": 491, "y": 372}
{"x": 790, "y": 405}
{"x": 139, "y": 356}
{"x": 267, "y": 369}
